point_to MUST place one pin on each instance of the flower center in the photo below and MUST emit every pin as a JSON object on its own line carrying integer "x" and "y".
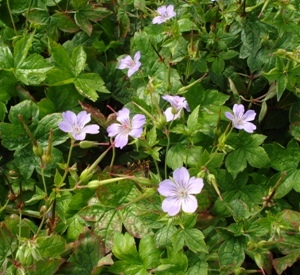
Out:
{"x": 182, "y": 193}
{"x": 126, "y": 127}
{"x": 130, "y": 63}
{"x": 76, "y": 129}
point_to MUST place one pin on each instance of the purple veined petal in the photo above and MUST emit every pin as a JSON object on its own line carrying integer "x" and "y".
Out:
{"x": 136, "y": 133}
{"x": 65, "y": 127}
{"x": 137, "y": 56}
{"x": 91, "y": 129}
{"x": 249, "y": 115}
{"x": 121, "y": 140}
{"x": 168, "y": 98}
{"x": 169, "y": 114}
{"x": 181, "y": 176}
{"x": 189, "y": 204}
{"x": 138, "y": 121}
{"x": 229, "y": 115}
{"x": 170, "y": 11}
{"x": 83, "y": 118}
{"x": 78, "y": 136}
{"x": 126, "y": 62}
{"x": 171, "y": 205}
{"x": 187, "y": 107}
{"x": 167, "y": 188}
{"x": 238, "y": 110}
{"x": 123, "y": 116}
{"x": 195, "y": 185}
{"x": 114, "y": 129}
{"x": 249, "y": 127}
{"x": 69, "y": 117}
{"x": 157, "y": 20}
{"x": 162, "y": 10}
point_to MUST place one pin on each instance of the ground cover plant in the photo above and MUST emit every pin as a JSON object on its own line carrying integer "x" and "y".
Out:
{"x": 149, "y": 137}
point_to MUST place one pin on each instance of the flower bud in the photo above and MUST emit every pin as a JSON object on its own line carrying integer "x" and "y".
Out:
{"x": 160, "y": 122}
{"x": 37, "y": 150}
{"x": 46, "y": 159}
{"x": 86, "y": 175}
{"x": 85, "y": 144}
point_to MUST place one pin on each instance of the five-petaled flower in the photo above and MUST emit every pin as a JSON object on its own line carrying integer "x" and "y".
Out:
{"x": 165, "y": 13}
{"x": 131, "y": 64}
{"x": 75, "y": 125}
{"x": 178, "y": 103}
{"x": 126, "y": 127}
{"x": 240, "y": 119}
{"x": 179, "y": 192}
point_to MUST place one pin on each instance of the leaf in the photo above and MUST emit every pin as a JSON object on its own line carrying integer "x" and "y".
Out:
{"x": 33, "y": 70}
{"x": 48, "y": 266}
{"x": 124, "y": 248}
{"x": 281, "y": 264}
{"x": 281, "y": 84}
{"x": 78, "y": 60}
{"x": 247, "y": 150}
{"x": 76, "y": 225}
{"x": 64, "y": 22}
{"x": 148, "y": 252}
{"x": 13, "y": 136}
{"x": 231, "y": 253}
{"x": 88, "y": 249}
{"x": 6, "y": 57}
{"x": 193, "y": 238}
{"x": 51, "y": 246}
{"x": 7, "y": 239}
{"x": 176, "y": 156}
{"x": 88, "y": 84}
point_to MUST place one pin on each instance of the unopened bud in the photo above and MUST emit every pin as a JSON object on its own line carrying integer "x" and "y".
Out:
{"x": 43, "y": 209}
{"x": 38, "y": 150}
{"x": 160, "y": 122}
{"x": 46, "y": 159}
{"x": 85, "y": 144}
{"x": 86, "y": 175}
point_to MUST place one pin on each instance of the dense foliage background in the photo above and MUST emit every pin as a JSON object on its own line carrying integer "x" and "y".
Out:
{"x": 87, "y": 207}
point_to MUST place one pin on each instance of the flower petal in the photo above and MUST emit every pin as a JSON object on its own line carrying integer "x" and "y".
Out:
{"x": 189, "y": 204}
{"x": 238, "y": 110}
{"x": 123, "y": 115}
{"x": 229, "y": 115}
{"x": 195, "y": 185}
{"x": 171, "y": 205}
{"x": 125, "y": 62}
{"x": 136, "y": 133}
{"x": 121, "y": 140}
{"x": 91, "y": 129}
{"x": 249, "y": 127}
{"x": 249, "y": 115}
{"x": 113, "y": 129}
{"x": 169, "y": 114}
{"x": 83, "y": 118}
{"x": 181, "y": 176}
{"x": 157, "y": 20}
{"x": 167, "y": 188}
{"x": 138, "y": 121}
{"x": 79, "y": 136}
{"x": 137, "y": 56}
{"x": 162, "y": 10}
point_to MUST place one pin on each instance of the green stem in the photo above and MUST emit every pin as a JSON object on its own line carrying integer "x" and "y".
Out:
{"x": 11, "y": 17}
{"x": 183, "y": 89}
{"x": 41, "y": 225}
{"x": 112, "y": 158}
{"x": 68, "y": 162}
{"x": 44, "y": 182}
{"x": 167, "y": 148}
{"x": 157, "y": 168}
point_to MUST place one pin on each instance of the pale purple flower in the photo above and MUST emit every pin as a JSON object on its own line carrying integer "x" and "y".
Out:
{"x": 240, "y": 119}
{"x": 178, "y": 103}
{"x": 165, "y": 13}
{"x": 75, "y": 125}
{"x": 126, "y": 127}
{"x": 131, "y": 64}
{"x": 179, "y": 192}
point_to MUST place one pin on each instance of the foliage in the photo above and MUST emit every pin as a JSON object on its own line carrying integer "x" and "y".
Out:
{"x": 91, "y": 206}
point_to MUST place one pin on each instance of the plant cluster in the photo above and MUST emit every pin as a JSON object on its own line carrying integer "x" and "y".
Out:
{"x": 149, "y": 137}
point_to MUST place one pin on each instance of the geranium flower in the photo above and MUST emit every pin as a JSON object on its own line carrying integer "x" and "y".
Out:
{"x": 179, "y": 192}
{"x": 178, "y": 103}
{"x": 126, "y": 127}
{"x": 75, "y": 125}
{"x": 165, "y": 13}
{"x": 240, "y": 119}
{"x": 132, "y": 65}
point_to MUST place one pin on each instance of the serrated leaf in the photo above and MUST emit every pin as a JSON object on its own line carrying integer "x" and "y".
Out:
{"x": 51, "y": 246}
{"x": 13, "y": 136}
{"x": 149, "y": 252}
{"x": 75, "y": 227}
{"x": 88, "y": 84}
{"x": 247, "y": 150}
{"x": 64, "y": 22}
{"x": 6, "y": 241}
{"x": 78, "y": 60}
{"x": 6, "y": 57}
{"x": 21, "y": 49}
{"x": 231, "y": 253}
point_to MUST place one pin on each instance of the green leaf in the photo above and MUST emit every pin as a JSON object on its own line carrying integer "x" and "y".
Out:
{"x": 88, "y": 249}
{"x": 247, "y": 150}
{"x": 88, "y": 84}
{"x": 218, "y": 65}
{"x": 48, "y": 266}
{"x": 231, "y": 253}
{"x": 13, "y": 136}
{"x": 33, "y": 70}
{"x": 281, "y": 84}
{"x": 64, "y": 22}
{"x": 124, "y": 248}
{"x": 282, "y": 263}
{"x": 78, "y": 60}
{"x": 6, "y": 57}
{"x": 200, "y": 267}
{"x": 193, "y": 238}
{"x": 292, "y": 181}
{"x": 176, "y": 156}
{"x": 26, "y": 161}
{"x": 6, "y": 241}
{"x": 76, "y": 225}
{"x": 148, "y": 252}
{"x": 51, "y": 246}
{"x": 164, "y": 235}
